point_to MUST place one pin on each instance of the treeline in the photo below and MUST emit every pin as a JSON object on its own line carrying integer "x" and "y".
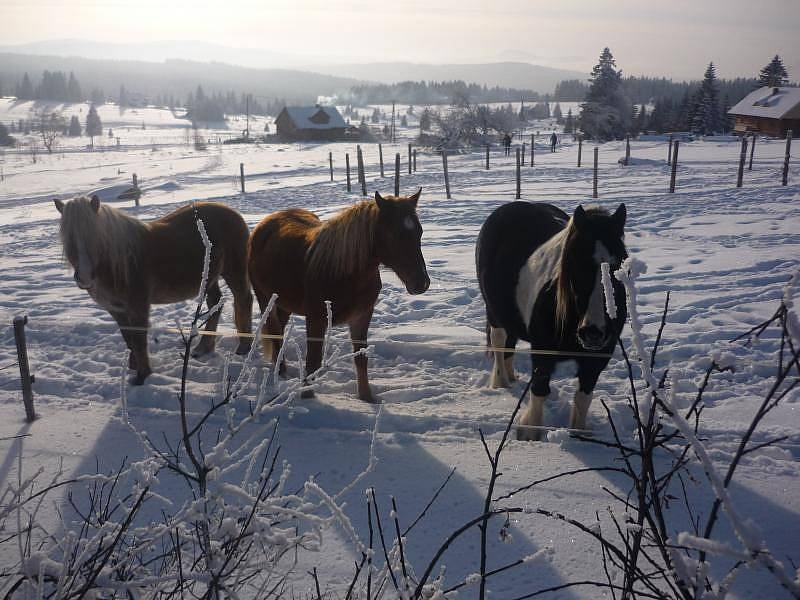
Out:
{"x": 54, "y": 86}
{"x": 432, "y": 92}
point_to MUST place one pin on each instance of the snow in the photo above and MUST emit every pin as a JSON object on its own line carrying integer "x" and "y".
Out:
{"x": 765, "y": 102}
{"x": 725, "y": 254}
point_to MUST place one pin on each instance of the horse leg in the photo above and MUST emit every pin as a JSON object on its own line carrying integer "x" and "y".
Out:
{"x": 208, "y": 342}
{"x": 358, "y": 333}
{"x": 124, "y": 324}
{"x": 497, "y": 339}
{"x": 272, "y": 333}
{"x": 315, "y": 332}
{"x": 508, "y": 359}
{"x": 138, "y": 318}
{"x": 242, "y": 307}
{"x": 540, "y": 389}
{"x": 588, "y": 374}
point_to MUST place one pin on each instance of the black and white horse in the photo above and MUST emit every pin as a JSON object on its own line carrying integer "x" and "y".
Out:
{"x": 541, "y": 278}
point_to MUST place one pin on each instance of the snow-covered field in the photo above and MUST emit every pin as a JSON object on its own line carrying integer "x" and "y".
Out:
{"x": 724, "y": 253}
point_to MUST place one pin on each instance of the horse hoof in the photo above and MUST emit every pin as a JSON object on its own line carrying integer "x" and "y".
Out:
{"x": 525, "y": 434}
{"x": 368, "y": 398}
{"x": 201, "y": 350}
{"x": 243, "y": 348}
{"x": 139, "y": 378}
{"x": 307, "y": 393}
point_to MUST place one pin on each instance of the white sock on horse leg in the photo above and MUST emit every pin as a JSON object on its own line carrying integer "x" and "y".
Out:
{"x": 497, "y": 339}
{"x": 534, "y": 415}
{"x": 580, "y": 408}
{"x": 509, "y": 364}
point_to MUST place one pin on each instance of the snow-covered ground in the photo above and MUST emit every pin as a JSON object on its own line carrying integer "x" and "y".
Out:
{"x": 724, "y": 253}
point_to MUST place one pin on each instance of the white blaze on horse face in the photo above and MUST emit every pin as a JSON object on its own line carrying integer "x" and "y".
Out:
{"x": 540, "y": 268}
{"x": 596, "y": 311}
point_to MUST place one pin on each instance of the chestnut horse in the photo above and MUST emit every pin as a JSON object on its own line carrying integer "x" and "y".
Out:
{"x": 307, "y": 261}
{"x": 126, "y": 265}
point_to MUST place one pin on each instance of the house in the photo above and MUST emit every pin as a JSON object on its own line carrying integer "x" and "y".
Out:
{"x": 310, "y": 123}
{"x": 768, "y": 110}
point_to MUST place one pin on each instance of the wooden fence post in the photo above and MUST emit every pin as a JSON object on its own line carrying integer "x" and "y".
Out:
{"x": 361, "y": 176}
{"x": 594, "y": 188}
{"x": 742, "y": 158}
{"x": 532, "y": 147}
{"x": 380, "y": 157}
{"x": 487, "y": 157}
{"x": 135, "y": 189}
{"x": 409, "y": 159}
{"x": 785, "y": 179}
{"x": 446, "y": 176}
{"x": 397, "y": 174}
{"x": 330, "y": 161}
{"x": 627, "y": 149}
{"x": 24, "y": 367}
{"x": 347, "y": 165}
{"x": 580, "y": 149}
{"x": 519, "y": 179}
{"x": 674, "y": 158}
{"x": 241, "y": 175}
{"x": 523, "y": 153}
{"x": 415, "y": 160}
{"x": 752, "y": 149}
{"x": 669, "y": 151}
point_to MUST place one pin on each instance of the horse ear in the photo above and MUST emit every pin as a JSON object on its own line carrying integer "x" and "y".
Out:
{"x": 579, "y": 218}
{"x": 415, "y": 198}
{"x": 59, "y": 205}
{"x": 95, "y": 203}
{"x": 379, "y": 200}
{"x": 619, "y": 217}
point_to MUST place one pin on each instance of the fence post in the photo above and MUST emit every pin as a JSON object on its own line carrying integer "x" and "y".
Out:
{"x": 752, "y": 149}
{"x": 487, "y": 157}
{"x": 330, "y": 161}
{"x": 347, "y": 165}
{"x": 785, "y": 180}
{"x": 669, "y": 151}
{"x": 135, "y": 188}
{"x": 409, "y": 158}
{"x": 415, "y": 160}
{"x": 24, "y": 367}
{"x": 380, "y": 157}
{"x": 523, "y": 154}
{"x": 532, "y": 147}
{"x": 580, "y": 149}
{"x": 361, "y": 176}
{"x": 519, "y": 179}
{"x": 241, "y": 175}
{"x": 397, "y": 174}
{"x": 594, "y": 190}
{"x": 742, "y": 158}
{"x": 674, "y": 157}
{"x": 446, "y": 176}
{"x": 627, "y": 149}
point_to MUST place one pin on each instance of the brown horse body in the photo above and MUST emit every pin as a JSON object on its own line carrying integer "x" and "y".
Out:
{"x": 126, "y": 265}
{"x": 306, "y": 261}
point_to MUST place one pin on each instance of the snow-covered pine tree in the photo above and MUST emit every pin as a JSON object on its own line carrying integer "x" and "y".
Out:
{"x": 707, "y": 118}
{"x": 606, "y": 113}
{"x": 93, "y": 124}
{"x": 774, "y": 74}
{"x": 74, "y": 127}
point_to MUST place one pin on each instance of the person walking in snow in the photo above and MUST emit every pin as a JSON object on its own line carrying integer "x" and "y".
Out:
{"x": 507, "y": 144}
{"x": 553, "y": 141}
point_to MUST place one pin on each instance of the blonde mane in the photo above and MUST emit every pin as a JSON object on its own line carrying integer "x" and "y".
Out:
{"x": 108, "y": 235}
{"x": 565, "y": 295}
{"x": 343, "y": 244}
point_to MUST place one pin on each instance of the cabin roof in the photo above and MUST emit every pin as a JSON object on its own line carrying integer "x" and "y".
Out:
{"x": 770, "y": 103}
{"x": 314, "y": 117}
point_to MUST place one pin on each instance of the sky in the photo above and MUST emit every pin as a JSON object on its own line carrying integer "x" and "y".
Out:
{"x": 674, "y": 38}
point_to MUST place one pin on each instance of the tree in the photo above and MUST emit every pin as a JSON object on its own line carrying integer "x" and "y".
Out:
{"x": 5, "y": 138}
{"x": 425, "y": 120}
{"x": 93, "y": 124}
{"x": 569, "y": 123}
{"x": 51, "y": 126}
{"x": 74, "y": 127}
{"x": 641, "y": 119}
{"x": 557, "y": 114}
{"x": 74, "y": 89}
{"x": 706, "y": 117}
{"x": 25, "y": 89}
{"x": 774, "y": 74}
{"x": 123, "y": 100}
{"x": 607, "y": 112}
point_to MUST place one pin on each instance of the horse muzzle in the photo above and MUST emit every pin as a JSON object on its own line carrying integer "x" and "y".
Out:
{"x": 83, "y": 284}
{"x": 420, "y": 286}
{"x": 592, "y": 338}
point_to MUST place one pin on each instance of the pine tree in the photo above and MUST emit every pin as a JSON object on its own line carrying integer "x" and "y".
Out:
{"x": 774, "y": 74}
{"x": 707, "y": 118}
{"x": 123, "y": 101}
{"x": 425, "y": 120}
{"x": 641, "y": 119}
{"x": 5, "y": 139}
{"x": 74, "y": 127}
{"x": 606, "y": 113}
{"x": 25, "y": 89}
{"x": 557, "y": 114}
{"x": 74, "y": 89}
{"x": 569, "y": 124}
{"x": 93, "y": 124}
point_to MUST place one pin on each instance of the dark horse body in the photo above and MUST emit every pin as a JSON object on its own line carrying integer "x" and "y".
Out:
{"x": 540, "y": 276}
{"x": 307, "y": 261}
{"x": 126, "y": 265}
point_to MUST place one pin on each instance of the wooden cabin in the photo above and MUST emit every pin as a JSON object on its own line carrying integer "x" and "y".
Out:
{"x": 310, "y": 123}
{"x": 770, "y": 111}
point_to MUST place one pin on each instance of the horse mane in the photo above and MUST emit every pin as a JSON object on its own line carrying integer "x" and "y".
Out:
{"x": 108, "y": 233}
{"x": 564, "y": 290}
{"x": 344, "y": 243}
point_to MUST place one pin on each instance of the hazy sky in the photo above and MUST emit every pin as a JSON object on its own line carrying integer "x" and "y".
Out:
{"x": 672, "y": 37}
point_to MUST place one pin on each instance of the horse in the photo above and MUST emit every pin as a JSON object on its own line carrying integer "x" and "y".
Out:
{"x": 126, "y": 265}
{"x": 306, "y": 261}
{"x": 540, "y": 276}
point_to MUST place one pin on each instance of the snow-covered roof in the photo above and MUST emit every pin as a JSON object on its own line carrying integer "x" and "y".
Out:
{"x": 770, "y": 102}
{"x": 313, "y": 117}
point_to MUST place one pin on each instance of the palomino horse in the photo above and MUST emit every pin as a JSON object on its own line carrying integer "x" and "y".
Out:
{"x": 540, "y": 276}
{"x": 307, "y": 261}
{"x": 126, "y": 265}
